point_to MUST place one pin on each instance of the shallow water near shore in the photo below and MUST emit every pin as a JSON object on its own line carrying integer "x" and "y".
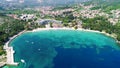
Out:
{"x": 65, "y": 49}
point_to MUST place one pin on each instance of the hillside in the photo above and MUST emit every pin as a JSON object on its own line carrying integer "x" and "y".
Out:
{"x": 105, "y": 5}
{"x": 34, "y": 3}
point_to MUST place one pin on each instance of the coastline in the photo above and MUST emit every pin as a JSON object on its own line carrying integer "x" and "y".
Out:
{"x": 10, "y": 51}
{"x": 80, "y": 29}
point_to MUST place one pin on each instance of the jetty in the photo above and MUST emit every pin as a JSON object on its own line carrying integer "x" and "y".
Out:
{"x": 10, "y": 56}
{"x": 10, "y": 51}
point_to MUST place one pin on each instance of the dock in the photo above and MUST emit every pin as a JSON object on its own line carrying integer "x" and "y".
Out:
{"x": 10, "y": 56}
{"x": 10, "y": 52}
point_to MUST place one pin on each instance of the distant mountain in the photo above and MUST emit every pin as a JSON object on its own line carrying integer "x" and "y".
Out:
{"x": 42, "y": 2}
{"x": 53, "y": 2}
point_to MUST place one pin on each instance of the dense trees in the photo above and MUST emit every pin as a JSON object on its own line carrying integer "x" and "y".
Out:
{"x": 117, "y": 30}
{"x": 19, "y": 11}
{"x": 1, "y": 50}
{"x": 66, "y": 17}
{"x": 106, "y": 6}
{"x": 9, "y": 28}
{"x": 101, "y": 24}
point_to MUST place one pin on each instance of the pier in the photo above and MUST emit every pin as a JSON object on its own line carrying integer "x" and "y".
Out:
{"x": 10, "y": 52}
{"x": 10, "y": 56}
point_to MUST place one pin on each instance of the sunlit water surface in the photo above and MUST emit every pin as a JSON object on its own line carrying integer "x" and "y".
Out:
{"x": 65, "y": 49}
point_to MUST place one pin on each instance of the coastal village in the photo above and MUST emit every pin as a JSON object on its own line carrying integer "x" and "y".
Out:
{"x": 47, "y": 18}
{"x": 81, "y": 10}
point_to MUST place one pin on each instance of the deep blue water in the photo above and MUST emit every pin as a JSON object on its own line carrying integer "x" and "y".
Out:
{"x": 87, "y": 58}
{"x": 66, "y": 49}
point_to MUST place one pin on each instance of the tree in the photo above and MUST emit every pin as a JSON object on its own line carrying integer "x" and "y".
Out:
{"x": 51, "y": 24}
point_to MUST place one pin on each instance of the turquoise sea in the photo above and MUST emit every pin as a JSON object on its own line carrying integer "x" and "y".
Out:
{"x": 65, "y": 49}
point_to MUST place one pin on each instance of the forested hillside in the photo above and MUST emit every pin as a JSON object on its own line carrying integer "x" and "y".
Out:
{"x": 9, "y": 28}
{"x": 105, "y": 5}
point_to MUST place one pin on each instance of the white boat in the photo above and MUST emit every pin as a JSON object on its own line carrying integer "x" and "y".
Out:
{"x": 23, "y": 61}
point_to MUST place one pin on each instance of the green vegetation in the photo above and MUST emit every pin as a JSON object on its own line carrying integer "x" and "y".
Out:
{"x": 61, "y": 8}
{"x": 106, "y": 6}
{"x": 79, "y": 9}
{"x": 9, "y": 28}
{"x": 51, "y": 24}
{"x": 95, "y": 8}
{"x": 47, "y": 17}
{"x": 19, "y": 11}
{"x": 2, "y": 51}
{"x": 67, "y": 17}
{"x": 117, "y": 30}
{"x": 65, "y": 24}
{"x": 112, "y": 7}
{"x": 101, "y": 24}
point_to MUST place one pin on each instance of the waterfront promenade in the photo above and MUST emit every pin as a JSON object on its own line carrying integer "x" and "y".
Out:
{"x": 10, "y": 56}
{"x": 10, "y": 51}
